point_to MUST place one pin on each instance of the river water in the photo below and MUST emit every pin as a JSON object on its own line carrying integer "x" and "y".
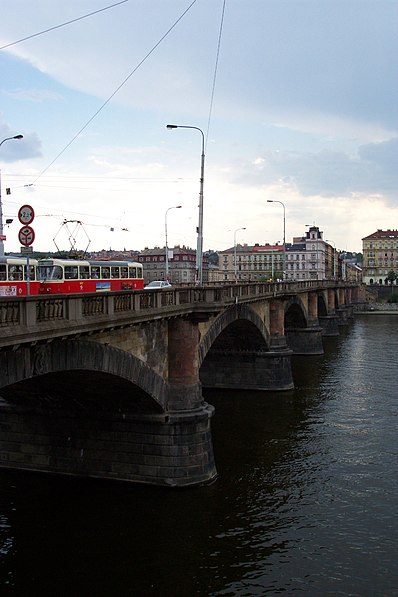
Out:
{"x": 305, "y": 502}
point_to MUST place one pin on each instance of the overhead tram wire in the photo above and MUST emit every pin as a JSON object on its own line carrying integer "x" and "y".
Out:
{"x": 215, "y": 72}
{"x": 116, "y": 91}
{"x": 18, "y": 41}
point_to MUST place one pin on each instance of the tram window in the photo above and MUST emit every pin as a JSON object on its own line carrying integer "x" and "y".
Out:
{"x": 124, "y": 272}
{"x": 84, "y": 272}
{"x": 132, "y": 272}
{"x": 15, "y": 273}
{"x": 115, "y": 273}
{"x": 32, "y": 275}
{"x": 139, "y": 272}
{"x": 95, "y": 272}
{"x": 105, "y": 273}
{"x": 70, "y": 272}
{"x": 3, "y": 275}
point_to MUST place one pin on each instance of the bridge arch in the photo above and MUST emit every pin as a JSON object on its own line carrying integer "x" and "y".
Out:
{"x": 295, "y": 314}
{"x": 99, "y": 364}
{"x": 242, "y": 322}
{"x": 322, "y": 305}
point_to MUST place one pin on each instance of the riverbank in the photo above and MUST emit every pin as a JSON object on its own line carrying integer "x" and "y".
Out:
{"x": 378, "y": 308}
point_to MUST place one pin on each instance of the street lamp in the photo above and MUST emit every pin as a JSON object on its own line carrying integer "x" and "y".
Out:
{"x": 199, "y": 248}
{"x": 165, "y": 228}
{"x": 237, "y": 230}
{"x": 2, "y": 237}
{"x": 284, "y": 235}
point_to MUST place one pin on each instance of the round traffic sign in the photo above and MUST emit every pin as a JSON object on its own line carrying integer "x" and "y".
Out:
{"x": 26, "y": 214}
{"x": 26, "y": 236}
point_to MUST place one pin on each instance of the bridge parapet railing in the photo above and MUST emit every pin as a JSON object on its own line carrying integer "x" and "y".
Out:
{"x": 10, "y": 313}
{"x": 93, "y": 305}
{"x": 50, "y": 309}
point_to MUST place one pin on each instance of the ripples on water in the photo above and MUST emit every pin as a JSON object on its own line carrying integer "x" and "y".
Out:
{"x": 305, "y": 502}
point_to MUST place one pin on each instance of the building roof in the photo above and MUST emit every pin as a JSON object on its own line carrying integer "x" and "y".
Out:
{"x": 382, "y": 234}
{"x": 257, "y": 248}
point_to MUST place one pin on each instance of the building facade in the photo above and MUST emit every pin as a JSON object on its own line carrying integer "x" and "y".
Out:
{"x": 251, "y": 263}
{"x": 309, "y": 257}
{"x": 181, "y": 265}
{"x": 380, "y": 256}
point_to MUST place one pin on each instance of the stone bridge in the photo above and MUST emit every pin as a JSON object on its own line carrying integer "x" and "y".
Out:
{"x": 110, "y": 385}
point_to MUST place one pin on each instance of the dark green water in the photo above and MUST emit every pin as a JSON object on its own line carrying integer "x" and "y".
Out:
{"x": 305, "y": 503}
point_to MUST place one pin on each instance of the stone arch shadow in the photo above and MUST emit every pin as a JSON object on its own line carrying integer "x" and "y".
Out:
{"x": 322, "y": 304}
{"x": 114, "y": 368}
{"x": 296, "y": 314}
{"x": 227, "y": 318}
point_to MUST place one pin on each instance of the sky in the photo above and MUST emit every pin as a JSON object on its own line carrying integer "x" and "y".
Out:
{"x": 296, "y": 99}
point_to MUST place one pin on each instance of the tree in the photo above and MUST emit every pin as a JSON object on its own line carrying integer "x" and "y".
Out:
{"x": 391, "y": 277}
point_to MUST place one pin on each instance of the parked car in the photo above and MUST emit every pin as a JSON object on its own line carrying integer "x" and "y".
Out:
{"x": 158, "y": 285}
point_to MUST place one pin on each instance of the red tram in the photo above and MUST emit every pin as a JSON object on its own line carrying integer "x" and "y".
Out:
{"x": 14, "y": 276}
{"x": 67, "y": 276}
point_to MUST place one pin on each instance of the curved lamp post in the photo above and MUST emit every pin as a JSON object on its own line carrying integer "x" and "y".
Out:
{"x": 165, "y": 229}
{"x": 1, "y": 204}
{"x": 284, "y": 235}
{"x": 199, "y": 249}
{"x": 235, "y": 273}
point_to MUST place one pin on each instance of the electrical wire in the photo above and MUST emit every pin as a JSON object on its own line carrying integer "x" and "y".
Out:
{"x": 116, "y": 91}
{"x": 215, "y": 72}
{"x": 18, "y": 41}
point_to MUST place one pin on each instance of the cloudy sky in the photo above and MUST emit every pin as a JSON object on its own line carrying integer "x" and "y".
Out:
{"x": 297, "y": 101}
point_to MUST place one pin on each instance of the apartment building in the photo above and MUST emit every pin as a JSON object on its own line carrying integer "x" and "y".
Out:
{"x": 309, "y": 257}
{"x": 181, "y": 265}
{"x": 380, "y": 256}
{"x": 252, "y": 263}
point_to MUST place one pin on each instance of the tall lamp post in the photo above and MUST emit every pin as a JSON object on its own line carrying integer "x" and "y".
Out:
{"x": 165, "y": 229}
{"x": 284, "y": 235}
{"x": 1, "y": 204}
{"x": 199, "y": 248}
{"x": 235, "y": 272}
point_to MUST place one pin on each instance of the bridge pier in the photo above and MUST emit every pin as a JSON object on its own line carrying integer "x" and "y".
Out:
{"x": 248, "y": 370}
{"x": 329, "y": 325}
{"x": 344, "y": 314}
{"x": 170, "y": 450}
{"x": 305, "y": 341}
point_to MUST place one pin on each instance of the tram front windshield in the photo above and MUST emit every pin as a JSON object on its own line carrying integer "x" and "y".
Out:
{"x": 49, "y": 272}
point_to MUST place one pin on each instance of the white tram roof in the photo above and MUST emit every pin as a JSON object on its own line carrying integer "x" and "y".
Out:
{"x": 96, "y": 262}
{"x": 17, "y": 260}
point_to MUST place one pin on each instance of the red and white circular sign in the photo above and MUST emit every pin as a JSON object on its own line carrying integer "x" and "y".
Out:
{"x": 26, "y": 214}
{"x": 26, "y": 236}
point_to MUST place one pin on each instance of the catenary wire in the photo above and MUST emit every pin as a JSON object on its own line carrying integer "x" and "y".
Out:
{"x": 116, "y": 91}
{"x": 215, "y": 73}
{"x": 18, "y": 41}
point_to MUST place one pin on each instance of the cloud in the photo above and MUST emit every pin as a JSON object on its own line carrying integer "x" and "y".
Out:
{"x": 327, "y": 173}
{"x": 34, "y": 95}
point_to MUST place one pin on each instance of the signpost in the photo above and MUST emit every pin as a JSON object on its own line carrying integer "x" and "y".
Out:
{"x": 26, "y": 236}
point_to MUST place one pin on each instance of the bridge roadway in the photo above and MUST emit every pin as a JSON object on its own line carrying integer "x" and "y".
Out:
{"x": 109, "y": 385}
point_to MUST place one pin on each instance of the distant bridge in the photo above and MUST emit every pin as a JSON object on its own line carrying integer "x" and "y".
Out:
{"x": 109, "y": 385}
